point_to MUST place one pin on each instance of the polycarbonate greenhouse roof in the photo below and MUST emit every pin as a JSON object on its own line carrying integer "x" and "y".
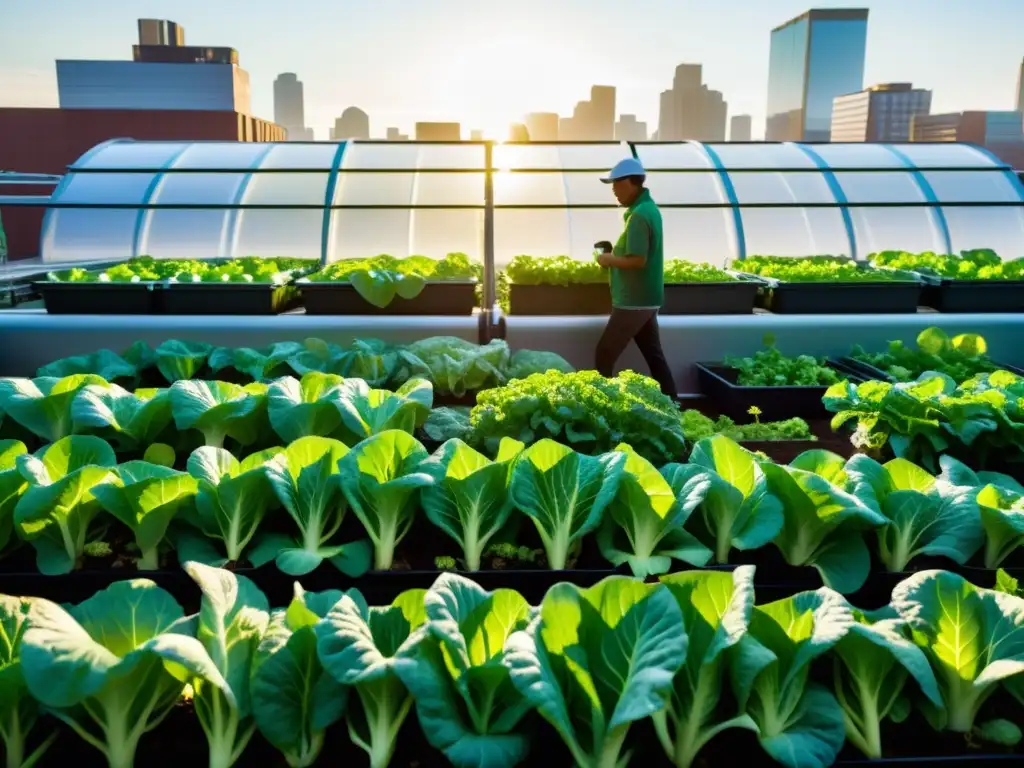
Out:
{"x": 329, "y": 200}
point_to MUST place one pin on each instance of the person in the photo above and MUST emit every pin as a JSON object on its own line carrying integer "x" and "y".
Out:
{"x": 637, "y": 278}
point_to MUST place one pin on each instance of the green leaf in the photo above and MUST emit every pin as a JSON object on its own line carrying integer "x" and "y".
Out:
{"x": 256, "y": 364}
{"x": 565, "y": 493}
{"x": 366, "y": 412}
{"x": 12, "y": 485}
{"x": 129, "y": 421}
{"x": 104, "y": 363}
{"x": 380, "y": 287}
{"x": 43, "y": 405}
{"x": 181, "y": 360}
{"x": 305, "y": 408}
{"x": 19, "y": 712}
{"x": 219, "y": 409}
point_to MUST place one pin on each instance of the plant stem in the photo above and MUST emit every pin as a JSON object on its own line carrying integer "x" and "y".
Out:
{"x": 150, "y": 560}
{"x": 384, "y": 551}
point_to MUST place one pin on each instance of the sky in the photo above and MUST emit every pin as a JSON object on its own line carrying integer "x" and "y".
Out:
{"x": 485, "y": 63}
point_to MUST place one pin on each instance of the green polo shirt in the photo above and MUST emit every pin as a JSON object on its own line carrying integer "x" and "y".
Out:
{"x": 642, "y": 288}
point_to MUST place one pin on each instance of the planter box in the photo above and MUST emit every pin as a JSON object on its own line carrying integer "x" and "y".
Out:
{"x": 228, "y": 299}
{"x": 439, "y": 298}
{"x": 871, "y": 372}
{"x": 718, "y": 383}
{"x": 100, "y": 298}
{"x": 882, "y": 298}
{"x": 735, "y": 297}
{"x": 947, "y": 295}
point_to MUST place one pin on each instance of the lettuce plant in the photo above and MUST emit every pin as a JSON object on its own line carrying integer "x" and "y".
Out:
{"x": 233, "y": 617}
{"x": 257, "y": 364}
{"x": 233, "y": 498}
{"x": 43, "y": 405}
{"x": 565, "y": 493}
{"x": 55, "y": 511}
{"x": 366, "y": 412}
{"x": 594, "y": 661}
{"x": 12, "y": 485}
{"x": 372, "y": 360}
{"x": 104, "y": 363}
{"x": 380, "y": 477}
{"x": 362, "y": 648}
{"x": 872, "y": 664}
{"x": 469, "y": 499}
{"x": 303, "y": 408}
{"x": 294, "y": 700}
{"x": 219, "y": 409}
{"x": 112, "y": 667}
{"x": 799, "y": 722}
{"x": 644, "y": 524}
{"x": 716, "y": 608}
{"x": 453, "y": 365}
{"x": 823, "y": 522}
{"x": 738, "y": 511}
{"x": 465, "y": 700}
{"x": 926, "y": 515}
{"x": 19, "y": 711}
{"x": 129, "y": 421}
{"x": 973, "y": 638}
{"x": 181, "y": 360}
{"x": 146, "y": 498}
{"x": 305, "y": 479}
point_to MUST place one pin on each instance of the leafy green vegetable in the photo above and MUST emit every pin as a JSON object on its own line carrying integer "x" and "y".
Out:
{"x": 363, "y": 648}
{"x": 770, "y": 368}
{"x": 294, "y": 699}
{"x": 465, "y": 700}
{"x": 19, "y": 711}
{"x": 233, "y": 617}
{"x": 469, "y": 497}
{"x": 305, "y": 479}
{"x": 644, "y": 527}
{"x": 816, "y": 269}
{"x": 960, "y": 357}
{"x": 1001, "y": 505}
{"x": 112, "y": 667}
{"x": 681, "y": 271}
{"x": 383, "y": 278}
{"x": 55, "y": 512}
{"x": 103, "y": 363}
{"x": 738, "y": 511}
{"x": 799, "y": 722}
{"x": 455, "y": 366}
{"x": 12, "y": 485}
{"x": 130, "y": 421}
{"x": 181, "y": 360}
{"x": 447, "y": 424}
{"x": 554, "y": 270}
{"x": 258, "y": 364}
{"x": 233, "y": 498}
{"x": 146, "y": 498}
{"x": 366, "y": 412}
{"x": 527, "y": 362}
{"x": 147, "y": 269}
{"x": 594, "y": 661}
{"x": 372, "y": 360}
{"x": 565, "y": 494}
{"x": 380, "y": 477}
{"x": 716, "y": 608}
{"x": 980, "y": 264}
{"x": 306, "y": 407}
{"x": 972, "y": 637}
{"x": 697, "y": 426}
{"x": 584, "y": 410}
{"x": 926, "y": 515}
{"x": 43, "y": 405}
{"x": 219, "y": 409}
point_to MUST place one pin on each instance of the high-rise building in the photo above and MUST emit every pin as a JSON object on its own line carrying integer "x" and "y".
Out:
{"x": 566, "y": 129}
{"x": 438, "y": 132}
{"x": 741, "y": 128}
{"x": 602, "y": 112}
{"x": 1000, "y": 132}
{"x": 879, "y": 113}
{"x": 542, "y": 126}
{"x": 160, "y": 32}
{"x": 814, "y": 58}
{"x": 630, "y": 129}
{"x": 476, "y": 134}
{"x": 518, "y": 132}
{"x": 394, "y": 134}
{"x": 353, "y": 124}
{"x": 690, "y": 110}
{"x": 716, "y": 111}
{"x": 289, "y": 105}
{"x": 668, "y": 122}
{"x": 1020, "y": 88}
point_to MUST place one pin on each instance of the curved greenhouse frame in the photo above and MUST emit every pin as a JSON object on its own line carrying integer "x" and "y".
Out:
{"x": 329, "y": 201}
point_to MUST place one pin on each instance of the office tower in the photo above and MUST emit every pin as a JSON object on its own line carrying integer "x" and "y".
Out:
{"x": 602, "y": 112}
{"x": 1020, "y": 88}
{"x": 879, "y": 113}
{"x": 740, "y": 128}
{"x": 393, "y": 134}
{"x": 438, "y": 132}
{"x": 476, "y": 134}
{"x": 542, "y": 126}
{"x": 353, "y": 124}
{"x": 160, "y": 32}
{"x": 289, "y": 106}
{"x": 814, "y": 58}
{"x": 690, "y": 110}
{"x": 184, "y": 54}
{"x": 566, "y": 129}
{"x": 715, "y": 111}
{"x": 668, "y": 127}
{"x": 518, "y": 132}
{"x": 630, "y": 129}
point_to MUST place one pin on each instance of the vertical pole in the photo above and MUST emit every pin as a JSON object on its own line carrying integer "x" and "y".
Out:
{"x": 490, "y": 275}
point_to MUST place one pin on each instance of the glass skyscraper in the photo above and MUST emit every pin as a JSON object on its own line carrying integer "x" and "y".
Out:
{"x": 814, "y": 58}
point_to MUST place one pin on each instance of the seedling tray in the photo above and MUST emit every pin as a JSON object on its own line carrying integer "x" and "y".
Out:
{"x": 871, "y": 372}
{"x": 449, "y": 297}
{"x": 988, "y": 296}
{"x": 863, "y": 298}
{"x": 579, "y": 299}
{"x": 228, "y": 299}
{"x": 100, "y": 298}
{"x": 718, "y": 383}
{"x": 734, "y": 297}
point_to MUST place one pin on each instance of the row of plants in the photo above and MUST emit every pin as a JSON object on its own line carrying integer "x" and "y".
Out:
{"x": 452, "y": 365}
{"x": 817, "y": 269}
{"x": 146, "y": 269}
{"x": 978, "y": 264}
{"x": 580, "y": 678}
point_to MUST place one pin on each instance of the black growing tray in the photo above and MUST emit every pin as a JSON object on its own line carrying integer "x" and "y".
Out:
{"x": 228, "y": 299}
{"x": 947, "y": 295}
{"x": 733, "y": 297}
{"x": 447, "y": 297}
{"x": 869, "y": 298}
{"x": 99, "y": 298}
{"x": 576, "y": 299}
{"x": 718, "y": 383}
{"x": 871, "y": 372}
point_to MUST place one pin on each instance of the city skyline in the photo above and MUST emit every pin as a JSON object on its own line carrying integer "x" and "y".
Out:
{"x": 485, "y": 80}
